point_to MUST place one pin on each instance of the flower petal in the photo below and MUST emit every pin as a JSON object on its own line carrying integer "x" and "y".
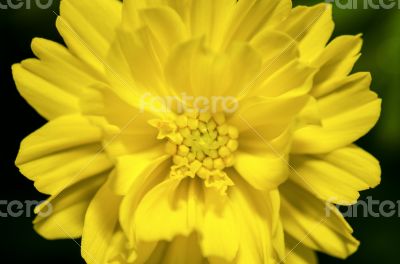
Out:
{"x": 139, "y": 189}
{"x": 297, "y": 253}
{"x": 261, "y": 171}
{"x": 184, "y": 250}
{"x": 54, "y": 83}
{"x": 230, "y": 20}
{"x": 88, "y": 28}
{"x": 262, "y": 157}
{"x": 319, "y": 225}
{"x": 181, "y": 250}
{"x": 311, "y": 27}
{"x": 195, "y": 70}
{"x": 176, "y": 204}
{"x": 198, "y": 19}
{"x": 210, "y": 19}
{"x": 257, "y": 220}
{"x": 129, "y": 130}
{"x": 218, "y": 230}
{"x": 129, "y": 168}
{"x": 295, "y": 77}
{"x": 100, "y": 224}
{"x": 347, "y": 113}
{"x": 144, "y": 49}
{"x": 148, "y": 76}
{"x": 338, "y": 176}
{"x": 271, "y": 112}
{"x": 253, "y": 16}
{"x": 186, "y": 208}
{"x": 67, "y": 210}
{"x": 167, "y": 28}
{"x": 57, "y": 156}
{"x": 336, "y": 61}
{"x": 277, "y": 49}
{"x": 49, "y": 100}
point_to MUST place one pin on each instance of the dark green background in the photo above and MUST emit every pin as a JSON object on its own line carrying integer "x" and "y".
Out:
{"x": 381, "y": 55}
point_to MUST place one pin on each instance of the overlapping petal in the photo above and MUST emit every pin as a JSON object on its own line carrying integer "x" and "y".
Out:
{"x": 61, "y": 153}
{"x": 63, "y": 215}
{"x": 316, "y": 223}
{"x": 347, "y": 113}
{"x": 338, "y": 176}
{"x": 88, "y": 28}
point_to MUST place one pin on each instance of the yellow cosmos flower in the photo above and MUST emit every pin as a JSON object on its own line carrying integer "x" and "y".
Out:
{"x": 198, "y": 131}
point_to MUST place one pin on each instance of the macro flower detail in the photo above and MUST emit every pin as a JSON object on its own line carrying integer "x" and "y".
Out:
{"x": 202, "y": 145}
{"x": 252, "y": 179}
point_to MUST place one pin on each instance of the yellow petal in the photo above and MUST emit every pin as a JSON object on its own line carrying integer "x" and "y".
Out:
{"x": 49, "y": 100}
{"x": 144, "y": 63}
{"x": 229, "y": 21}
{"x": 100, "y": 223}
{"x": 297, "y": 253}
{"x": 131, "y": 167}
{"x": 197, "y": 71}
{"x": 175, "y": 208}
{"x": 310, "y": 114}
{"x": 118, "y": 250}
{"x": 277, "y": 49}
{"x": 218, "y": 229}
{"x": 319, "y": 225}
{"x": 167, "y": 28}
{"x": 236, "y": 78}
{"x": 358, "y": 162}
{"x": 68, "y": 72}
{"x": 311, "y": 27}
{"x": 135, "y": 134}
{"x": 258, "y": 215}
{"x": 337, "y": 60}
{"x": 88, "y": 28}
{"x": 167, "y": 211}
{"x": 253, "y": 16}
{"x": 338, "y": 176}
{"x": 61, "y": 153}
{"x": 64, "y": 214}
{"x": 183, "y": 250}
{"x": 268, "y": 111}
{"x": 54, "y": 84}
{"x": 119, "y": 74}
{"x": 295, "y": 77}
{"x": 347, "y": 114}
{"x": 209, "y": 19}
{"x": 57, "y": 135}
{"x": 139, "y": 189}
{"x": 178, "y": 69}
{"x": 144, "y": 49}
{"x": 262, "y": 171}
{"x": 156, "y": 254}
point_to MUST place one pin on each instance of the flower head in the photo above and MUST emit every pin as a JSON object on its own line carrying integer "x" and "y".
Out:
{"x": 191, "y": 131}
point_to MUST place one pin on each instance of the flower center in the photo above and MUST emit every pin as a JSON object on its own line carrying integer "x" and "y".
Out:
{"x": 201, "y": 145}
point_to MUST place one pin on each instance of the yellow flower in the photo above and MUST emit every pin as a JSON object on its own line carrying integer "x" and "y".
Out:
{"x": 198, "y": 131}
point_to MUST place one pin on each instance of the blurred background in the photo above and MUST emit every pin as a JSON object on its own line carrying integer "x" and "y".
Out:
{"x": 380, "y": 237}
